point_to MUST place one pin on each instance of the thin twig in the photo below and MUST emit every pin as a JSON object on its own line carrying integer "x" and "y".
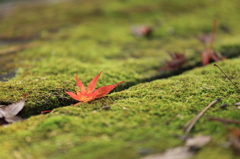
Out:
{"x": 187, "y": 128}
{"x": 227, "y": 77}
{"x": 224, "y": 120}
{"x": 213, "y": 34}
{"x": 15, "y": 49}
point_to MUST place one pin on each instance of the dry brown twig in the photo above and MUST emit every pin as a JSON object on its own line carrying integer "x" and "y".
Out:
{"x": 227, "y": 77}
{"x": 224, "y": 120}
{"x": 15, "y": 49}
{"x": 187, "y": 128}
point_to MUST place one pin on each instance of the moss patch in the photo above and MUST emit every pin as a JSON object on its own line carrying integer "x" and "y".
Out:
{"x": 146, "y": 112}
{"x": 101, "y": 43}
{"x": 141, "y": 118}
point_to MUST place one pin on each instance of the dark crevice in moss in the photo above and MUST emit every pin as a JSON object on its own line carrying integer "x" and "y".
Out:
{"x": 60, "y": 99}
{"x": 228, "y": 51}
{"x": 142, "y": 117}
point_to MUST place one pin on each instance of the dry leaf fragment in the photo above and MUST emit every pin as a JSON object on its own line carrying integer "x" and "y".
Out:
{"x": 183, "y": 152}
{"x": 205, "y": 38}
{"x": 235, "y": 143}
{"x": 210, "y": 54}
{"x": 141, "y": 31}
{"x": 180, "y": 152}
{"x": 9, "y": 112}
{"x": 237, "y": 104}
{"x": 106, "y": 107}
{"x": 198, "y": 142}
{"x": 13, "y": 119}
{"x": 234, "y": 139}
{"x": 178, "y": 59}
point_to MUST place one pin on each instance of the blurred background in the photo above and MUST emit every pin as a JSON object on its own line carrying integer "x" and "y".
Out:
{"x": 113, "y": 29}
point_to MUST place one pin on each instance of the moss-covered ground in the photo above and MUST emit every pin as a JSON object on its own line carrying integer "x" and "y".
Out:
{"x": 55, "y": 41}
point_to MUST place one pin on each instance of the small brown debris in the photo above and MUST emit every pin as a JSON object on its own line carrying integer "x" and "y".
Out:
{"x": 142, "y": 31}
{"x": 205, "y": 38}
{"x": 183, "y": 152}
{"x": 224, "y": 105}
{"x": 180, "y": 152}
{"x": 234, "y": 139}
{"x": 237, "y": 104}
{"x": 198, "y": 142}
{"x": 106, "y": 107}
{"x": 178, "y": 59}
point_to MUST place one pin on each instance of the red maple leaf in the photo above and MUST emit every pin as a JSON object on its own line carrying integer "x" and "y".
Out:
{"x": 89, "y": 94}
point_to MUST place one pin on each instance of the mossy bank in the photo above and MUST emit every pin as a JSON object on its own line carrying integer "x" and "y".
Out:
{"x": 146, "y": 114}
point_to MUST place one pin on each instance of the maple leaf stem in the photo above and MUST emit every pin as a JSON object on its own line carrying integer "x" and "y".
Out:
{"x": 187, "y": 128}
{"x": 78, "y": 103}
{"x": 24, "y": 95}
{"x": 227, "y": 77}
{"x": 213, "y": 34}
{"x": 46, "y": 111}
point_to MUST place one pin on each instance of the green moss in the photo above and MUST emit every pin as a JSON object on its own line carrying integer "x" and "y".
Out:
{"x": 142, "y": 117}
{"x": 146, "y": 112}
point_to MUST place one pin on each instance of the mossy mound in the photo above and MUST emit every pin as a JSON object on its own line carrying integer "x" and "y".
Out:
{"x": 84, "y": 38}
{"x": 141, "y": 119}
{"x": 103, "y": 42}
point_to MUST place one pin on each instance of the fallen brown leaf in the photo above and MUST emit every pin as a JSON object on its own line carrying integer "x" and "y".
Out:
{"x": 183, "y": 152}
{"x": 142, "y": 31}
{"x": 180, "y": 152}
{"x": 234, "y": 139}
{"x": 210, "y": 54}
{"x": 9, "y": 112}
{"x": 198, "y": 142}
{"x": 178, "y": 59}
